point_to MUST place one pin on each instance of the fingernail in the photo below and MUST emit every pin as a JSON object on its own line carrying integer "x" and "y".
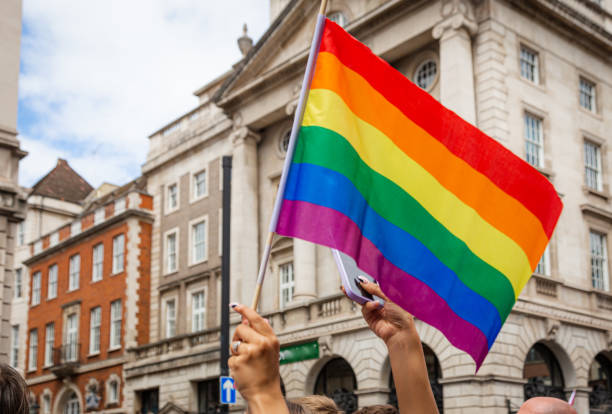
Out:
{"x": 378, "y": 304}
{"x": 363, "y": 279}
{"x": 233, "y": 305}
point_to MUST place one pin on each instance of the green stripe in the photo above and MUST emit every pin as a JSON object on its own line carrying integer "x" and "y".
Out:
{"x": 326, "y": 148}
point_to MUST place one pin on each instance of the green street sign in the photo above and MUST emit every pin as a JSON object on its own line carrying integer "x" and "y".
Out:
{"x": 301, "y": 352}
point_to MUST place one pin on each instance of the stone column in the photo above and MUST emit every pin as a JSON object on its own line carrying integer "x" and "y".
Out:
{"x": 304, "y": 260}
{"x": 244, "y": 256}
{"x": 456, "y": 67}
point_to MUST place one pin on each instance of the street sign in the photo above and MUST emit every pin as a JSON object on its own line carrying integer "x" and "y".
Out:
{"x": 227, "y": 391}
{"x": 301, "y": 352}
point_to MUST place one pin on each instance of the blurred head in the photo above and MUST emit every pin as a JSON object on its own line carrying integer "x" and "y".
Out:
{"x": 546, "y": 405}
{"x": 318, "y": 404}
{"x": 377, "y": 409}
{"x": 295, "y": 408}
{"x": 13, "y": 395}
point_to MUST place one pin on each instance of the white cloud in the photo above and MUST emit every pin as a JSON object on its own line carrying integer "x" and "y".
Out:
{"x": 99, "y": 76}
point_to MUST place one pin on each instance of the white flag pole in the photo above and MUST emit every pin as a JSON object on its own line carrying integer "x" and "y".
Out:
{"x": 297, "y": 122}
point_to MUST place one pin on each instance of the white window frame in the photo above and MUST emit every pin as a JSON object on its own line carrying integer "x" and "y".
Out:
{"x": 288, "y": 285}
{"x": 593, "y": 165}
{"x": 21, "y": 233}
{"x": 170, "y": 317}
{"x": 74, "y": 272}
{"x": 199, "y": 313}
{"x": 37, "y": 246}
{"x": 167, "y": 269}
{"x": 194, "y": 185}
{"x": 192, "y": 241}
{"x": 599, "y": 260}
{"x": 120, "y": 205}
{"x": 45, "y": 402}
{"x": 71, "y": 338}
{"x": 14, "y": 345}
{"x": 115, "y": 324}
{"x": 36, "y": 288}
{"x": 110, "y": 398}
{"x": 54, "y": 238}
{"x": 75, "y": 227}
{"x": 95, "y": 322}
{"x": 52, "y": 282}
{"x": 170, "y": 208}
{"x": 591, "y": 95}
{"x": 99, "y": 216}
{"x": 533, "y": 131}
{"x": 49, "y": 342}
{"x": 18, "y": 293}
{"x": 33, "y": 350}
{"x": 543, "y": 267}
{"x": 118, "y": 253}
{"x": 97, "y": 262}
{"x": 534, "y": 65}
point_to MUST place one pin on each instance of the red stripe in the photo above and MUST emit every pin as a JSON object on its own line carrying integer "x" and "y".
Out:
{"x": 507, "y": 171}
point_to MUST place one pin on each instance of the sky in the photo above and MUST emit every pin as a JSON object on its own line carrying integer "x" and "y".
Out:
{"x": 98, "y": 77}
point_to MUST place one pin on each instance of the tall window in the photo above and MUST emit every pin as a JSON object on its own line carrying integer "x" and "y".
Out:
{"x": 52, "y": 285}
{"x": 72, "y": 338}
{"x": 120, "y": 205}
{"x": 18, "y": 283}
{"x": 33, "y": 351}
{"x": 46, "y": 404}
{"x": 530, "y": 66}
{"x": 49, "y": 340}
{"x": 14, "y": 345}
{"x": 113, "y": 391}
{"x": 75, "y": 227}
{"x": 54, "y": 239}
{"x": 543, "y": 267}
{"x": 592, "y": 165}
{"x": 118, "y": 248}
{"x": 599, "y": 261}
{"x": 99, "y": 215}
{"x": 587, "y": 95}
{"x": 115, "y": 334}
{"x": 95, "y": 319}
{"x": 197, "y": 311}
{"x": 98, "y": 259}
{"x": 36, "y": 288}
{"x": 287, "y": 283}
{"x": 74, "y": 273}
{"x": 170, "y": 318}
{"x": 21, "y": 233}
{"x": 534, "y": 153}
{"x": 198, "y": 242}
{"x": 199, "y": 185}
{"x": 171, "y": 264}
{"x": 172, "y": 196}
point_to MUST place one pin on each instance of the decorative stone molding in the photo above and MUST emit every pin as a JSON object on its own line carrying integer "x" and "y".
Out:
{"x": 325, "y": 345}
{"x": 552, "y": 327}
{"x": 456, "y": 14}
{"x": 243, "y": 134}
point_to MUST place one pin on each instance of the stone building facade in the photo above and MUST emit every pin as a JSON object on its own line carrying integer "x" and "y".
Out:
{"x": 88, "y": 303}
{"x": 533, "y": 75}
{"x": 12, "y": 200}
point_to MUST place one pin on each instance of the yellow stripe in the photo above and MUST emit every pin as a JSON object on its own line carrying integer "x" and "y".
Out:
{"x": 326, "y": 109}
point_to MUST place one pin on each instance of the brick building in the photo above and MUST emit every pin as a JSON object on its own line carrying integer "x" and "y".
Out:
{"x": 89, "y": 302}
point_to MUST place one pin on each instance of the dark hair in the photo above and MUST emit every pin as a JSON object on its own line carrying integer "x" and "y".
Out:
{"x": 377, "y": 409}
{"x": 13, "y": 398}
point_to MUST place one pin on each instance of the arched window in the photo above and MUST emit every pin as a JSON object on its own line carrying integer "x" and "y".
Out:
{"x": 283, "y": 143}
{"x": 425, "y": 74}
{"x": 72, "y": 405}
{"x": 338, "y": 17}
{"x": 337, "y": 381}
{"x": 600, "y": 377}
{"x": 543, "y": 373}
{"x": 434, "y": 372}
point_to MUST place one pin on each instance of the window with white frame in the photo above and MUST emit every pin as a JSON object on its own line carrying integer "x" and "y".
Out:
{"x": 599, "y": 261}
{"x": 37, "y": 246}
{"x": 543, "y": 267}
{"x": 592, "y": 165}
{"x": 198, "y": 242}
{"x": 534, "y": 140}
{"x": 21, "y": 233}
{"x": 54, "y": 239}
{"x": 587, "y": 95}
{"x": 75, "y": 227}
{"x": 49, "y": 341}
{"x": 171, "y": 262}
{"x": 97, "y": 262}
{"x": 71, "y": 338}
{"x": 197, "y": 311}
{"x": 112, "y": 390}
{"x": 172, "y": 195}
{"x": 52, "y": 282}
{"x": 120, "y": 205}
{"x": 115, "y": 333}
{"x": 99, "y": 215}
{"x": 46, "y": 404}
{"x": 170, "y": 318}
{"x": 425, "y": 74}
{"x": 287, "y": 283}
{"x": 36, "y": 285}
{"x": 95, "y": 320}
{"x": 118, "y": 249}
{"x": 74, "y": 272}
{"x": 18, "y": 283}
{"x": 33, "y": 350}
{"x": 199, "y": 185}
{"x": 14, "y": 346}
{"x": 530, "y": 65}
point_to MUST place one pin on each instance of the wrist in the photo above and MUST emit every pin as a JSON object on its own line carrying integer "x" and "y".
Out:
{"x": 403, "y": 340}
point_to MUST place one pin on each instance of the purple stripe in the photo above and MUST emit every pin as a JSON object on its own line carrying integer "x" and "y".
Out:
{"x": 318, "y": 224}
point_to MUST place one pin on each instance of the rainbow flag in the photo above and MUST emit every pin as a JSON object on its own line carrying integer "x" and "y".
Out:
{"x": 448, "y": 221}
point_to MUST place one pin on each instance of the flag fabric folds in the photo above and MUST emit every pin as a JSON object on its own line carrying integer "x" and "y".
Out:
{"x": 447, "y": 220}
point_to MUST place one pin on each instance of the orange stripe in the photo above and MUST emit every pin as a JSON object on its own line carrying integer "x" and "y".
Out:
{"x": 495, "y": 206}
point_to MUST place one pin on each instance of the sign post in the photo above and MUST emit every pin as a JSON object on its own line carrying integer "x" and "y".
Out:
{"x": 227, "y": 392}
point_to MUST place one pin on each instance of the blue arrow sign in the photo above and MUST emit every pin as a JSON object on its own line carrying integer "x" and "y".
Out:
{"x": 227, "y": 391}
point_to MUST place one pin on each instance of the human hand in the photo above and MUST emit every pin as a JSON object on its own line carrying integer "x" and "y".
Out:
{"x": 254, "y": 363}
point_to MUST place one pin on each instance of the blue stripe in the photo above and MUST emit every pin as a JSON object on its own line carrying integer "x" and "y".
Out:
{"x": 325, "y": 187}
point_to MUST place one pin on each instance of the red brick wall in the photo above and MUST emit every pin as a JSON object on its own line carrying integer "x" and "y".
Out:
{"x": 87, "y": 221}
{"x": 64, "y": 232}
{"x": 146, "y": 201}
{"x": 144, "y": 283}
{"x": 109, "y": 210}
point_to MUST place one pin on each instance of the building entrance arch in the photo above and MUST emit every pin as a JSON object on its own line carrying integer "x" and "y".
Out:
{"x": 337, "y": 381}
{"x": 543, "y": 373}
{"x": 600, "y": 381}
